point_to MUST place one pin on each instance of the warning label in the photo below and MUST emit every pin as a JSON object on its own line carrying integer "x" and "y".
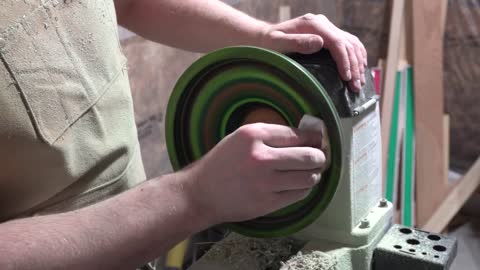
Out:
{"x": 366, "y": 164}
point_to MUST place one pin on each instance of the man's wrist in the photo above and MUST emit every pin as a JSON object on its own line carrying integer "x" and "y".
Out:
{"x": 262, "y": 33}
{"x": 183, "y": 186}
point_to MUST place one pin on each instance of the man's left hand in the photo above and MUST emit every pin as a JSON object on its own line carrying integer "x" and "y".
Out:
{"x": 309, "y": 33}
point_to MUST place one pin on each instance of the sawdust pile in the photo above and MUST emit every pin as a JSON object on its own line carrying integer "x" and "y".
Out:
{"x": 262, "y": 254}
{"x": 314, "y": 260}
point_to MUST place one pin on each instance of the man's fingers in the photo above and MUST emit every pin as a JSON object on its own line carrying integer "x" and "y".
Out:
{"x": 360, "y": 53}
{"x": 297, "y": 158}
{"x": 283, "y": 136}
{"x": 361, "y": 48}
{"x": 355, "y": 82}
{"x": 294, "y": 180}
{"x": 285, "y": 198}
{"x": 363, "y": 51}
{"x": 361, "y": 66}
{"x": 340, "y": 55}
{"x": 302, "y": 43}
{"x": 309, "y": 33}
{"x": 364, "y": 54}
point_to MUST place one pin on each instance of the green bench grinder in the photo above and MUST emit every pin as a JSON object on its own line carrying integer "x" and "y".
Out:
{"x": 344, "y": 216}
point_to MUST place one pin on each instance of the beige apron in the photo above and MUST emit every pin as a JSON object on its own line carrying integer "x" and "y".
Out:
{"x": 67, "y": 131}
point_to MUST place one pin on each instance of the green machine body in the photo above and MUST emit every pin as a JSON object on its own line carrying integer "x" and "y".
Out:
{"x": 214, "y": 94}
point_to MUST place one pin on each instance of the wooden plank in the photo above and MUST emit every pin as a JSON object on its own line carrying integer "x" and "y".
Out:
{"x": 284, "y": 13}
{"x": 455, "y": 200}
{"x": 429, "y": 106}
{"x": 406, "y": 49}
{"x": 396, "y": 27}
{"x": 443, "y": 15}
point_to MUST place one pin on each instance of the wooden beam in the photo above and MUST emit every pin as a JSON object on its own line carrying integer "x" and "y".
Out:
{"x": 431, "y": 181}
{"x": 455, "y": 200}
{"x": 284, "y": 13}
{"x": 396, "y": 28}
{"x": 443, "y": 15}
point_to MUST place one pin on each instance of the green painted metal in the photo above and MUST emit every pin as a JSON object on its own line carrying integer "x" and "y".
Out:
{"x": 207, "y": 104}
{"x": 393, "y": 146}
{"x": 408, "y": 172}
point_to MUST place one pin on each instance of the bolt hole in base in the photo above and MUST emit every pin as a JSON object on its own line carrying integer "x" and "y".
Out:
{"x": 412, "y": 250}
{"x": 424, "y": 253}
{"x": 405, "y": 231}
{"x": 413, "y": 241}
{"x": 439, "y": 248}
{"x": 434, "y": 237}
{"x": 397, "y": 247}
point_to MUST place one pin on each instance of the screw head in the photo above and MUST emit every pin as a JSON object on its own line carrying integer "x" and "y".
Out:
{"x": 383, "y": 203}
{"x": 364, "y": 223}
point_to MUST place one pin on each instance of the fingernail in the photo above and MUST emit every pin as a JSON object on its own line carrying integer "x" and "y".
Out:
{"x": 316, "y": 178}
{"x": 349, "y": 75}
{"x": 365, "y": 63}
{"x": 357, "y": 84}
{"x": 362, "y": 79}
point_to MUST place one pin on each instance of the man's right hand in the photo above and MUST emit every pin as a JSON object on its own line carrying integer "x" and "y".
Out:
{"x": 254, "y": 171}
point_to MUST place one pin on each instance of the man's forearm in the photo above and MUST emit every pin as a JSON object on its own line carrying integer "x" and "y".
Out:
{"x": 196, "y": 25}
{"x": 120, "y": 233}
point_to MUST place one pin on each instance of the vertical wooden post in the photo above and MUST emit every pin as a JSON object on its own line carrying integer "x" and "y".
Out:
{"x": 394, "y": 42}
{"x": 284, "y": 13}
{"x": 431, "y": 181}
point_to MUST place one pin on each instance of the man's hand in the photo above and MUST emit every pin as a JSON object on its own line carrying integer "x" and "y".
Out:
{"x": 254, "y": 171}
{"x": 212, "y": 24}
{"x": 309, "y": 33}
